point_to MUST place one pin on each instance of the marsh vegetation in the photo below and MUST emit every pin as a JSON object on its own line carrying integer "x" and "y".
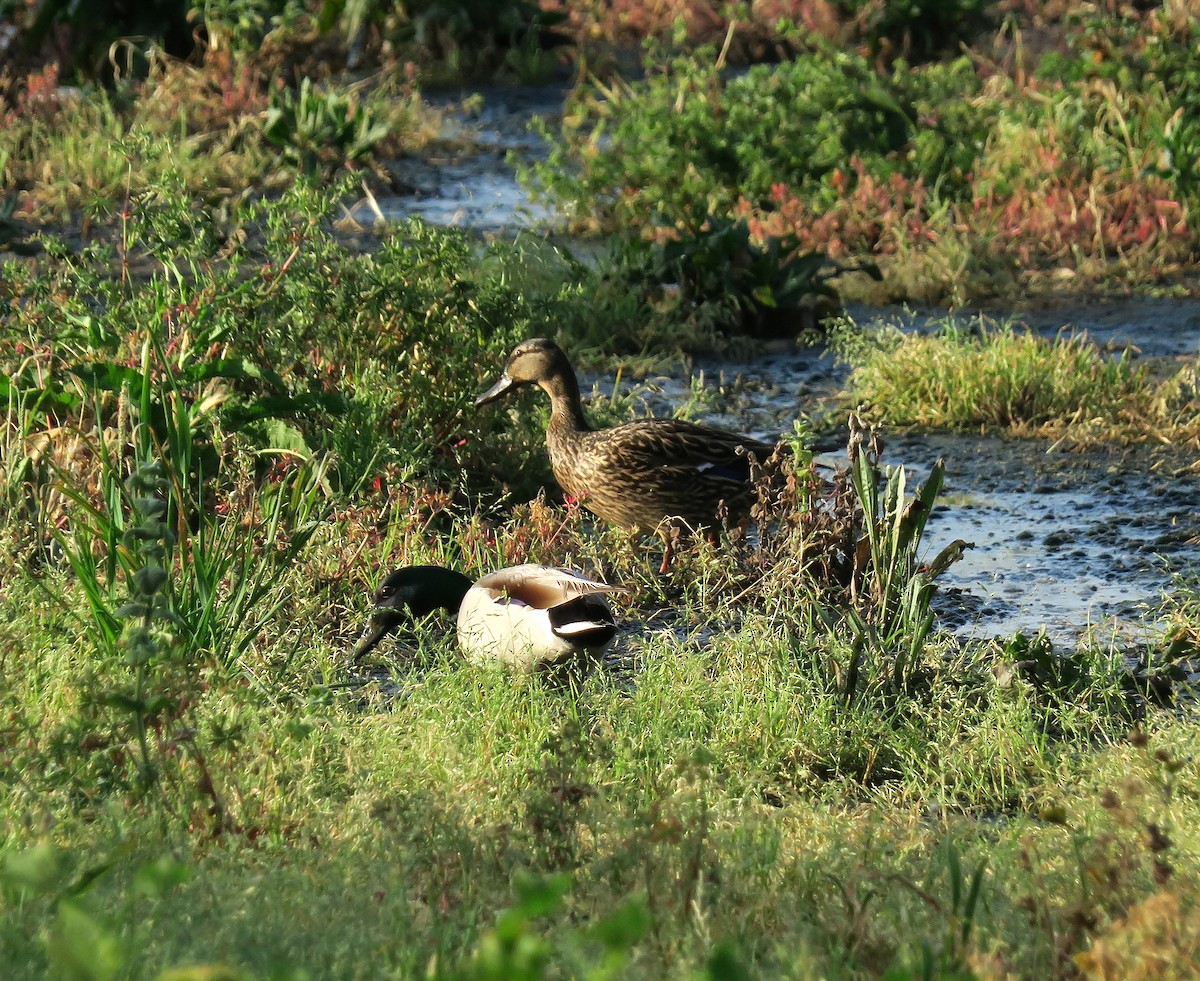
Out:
{"x": 231, "y": 407}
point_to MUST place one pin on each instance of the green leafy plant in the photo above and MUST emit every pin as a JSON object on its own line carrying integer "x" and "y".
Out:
{"x": 146, "y": 635}
{"x": 220, "y": 570}
{"x": 84, "y": 943}
{"x": 512, "y": 950}
{"x": 891, "y": 592}
{"x": 530, "y": 60}
{"x": 321, "y": 130}
{"x": 243, "y": 24}
{"x": 1126, "y": 686}
{"x": 688, "y": 142}
{"x": 31, "y": 499}
{"x": 757, "y": 289}
{"x": 467, "y": 37}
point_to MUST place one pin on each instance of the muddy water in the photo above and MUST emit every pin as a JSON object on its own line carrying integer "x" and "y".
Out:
{"x": 1065, "y": 542}
{"x": 468, "y": 181}
{"x": 1068, "y": 543}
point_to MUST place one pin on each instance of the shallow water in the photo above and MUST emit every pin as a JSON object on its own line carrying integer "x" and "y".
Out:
{"x": 1066, "y": 542}
{"x": 1063, "y": 542}
{"x": 479, "y": 190}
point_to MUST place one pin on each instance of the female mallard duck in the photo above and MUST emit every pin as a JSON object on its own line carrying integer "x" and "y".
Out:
{"x": 529, "y": 617}
{"x": 647, "y": 475}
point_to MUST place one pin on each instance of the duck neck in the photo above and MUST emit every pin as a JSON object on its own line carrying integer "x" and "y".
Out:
{"x": 441, "y": 589}
{"x": 566, "y": 407}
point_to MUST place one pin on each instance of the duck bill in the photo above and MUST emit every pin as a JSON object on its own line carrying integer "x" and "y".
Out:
{"x": 493, "y": 393}
{"x": 380, "y": 625}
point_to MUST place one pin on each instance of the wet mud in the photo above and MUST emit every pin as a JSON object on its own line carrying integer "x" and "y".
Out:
{"x": 1069, "y": 543}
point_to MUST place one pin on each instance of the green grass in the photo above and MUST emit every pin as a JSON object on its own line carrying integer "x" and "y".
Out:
{"x": 723, "y": 787}
{"x": 749, "y": 813}
{"x": 89, "y": 149}
{"x": 994, "y": 376}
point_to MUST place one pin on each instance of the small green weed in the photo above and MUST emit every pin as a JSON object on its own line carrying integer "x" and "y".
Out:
{"x": 321, "y": 130}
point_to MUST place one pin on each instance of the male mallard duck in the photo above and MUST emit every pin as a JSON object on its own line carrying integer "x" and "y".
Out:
{"x": 530, "y": 617}
{"x": 647, "y": 475}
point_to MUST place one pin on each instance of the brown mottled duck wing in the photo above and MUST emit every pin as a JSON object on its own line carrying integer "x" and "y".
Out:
{"x": 671, "y": 443}
{"x": 640, "y": 473}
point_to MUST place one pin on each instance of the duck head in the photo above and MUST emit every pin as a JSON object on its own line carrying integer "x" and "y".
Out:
{"x": 532, "y": 362}
{"x": 408, "y": 595}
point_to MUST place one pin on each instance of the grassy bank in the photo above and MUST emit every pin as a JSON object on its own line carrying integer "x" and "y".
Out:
{"x": 718, "y": 818}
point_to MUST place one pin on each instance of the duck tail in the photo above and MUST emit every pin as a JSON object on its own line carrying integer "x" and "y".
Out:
{"x": 586, "y": 621}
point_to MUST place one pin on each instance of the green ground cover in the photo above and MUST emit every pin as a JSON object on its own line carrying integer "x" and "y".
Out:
{"x": 993, "y": 376}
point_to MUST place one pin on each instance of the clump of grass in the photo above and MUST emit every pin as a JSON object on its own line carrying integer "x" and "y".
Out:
{"x": 71, "y": 151}
{"x": 1181, "y": 604}
{"x": 994, "y": 376}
